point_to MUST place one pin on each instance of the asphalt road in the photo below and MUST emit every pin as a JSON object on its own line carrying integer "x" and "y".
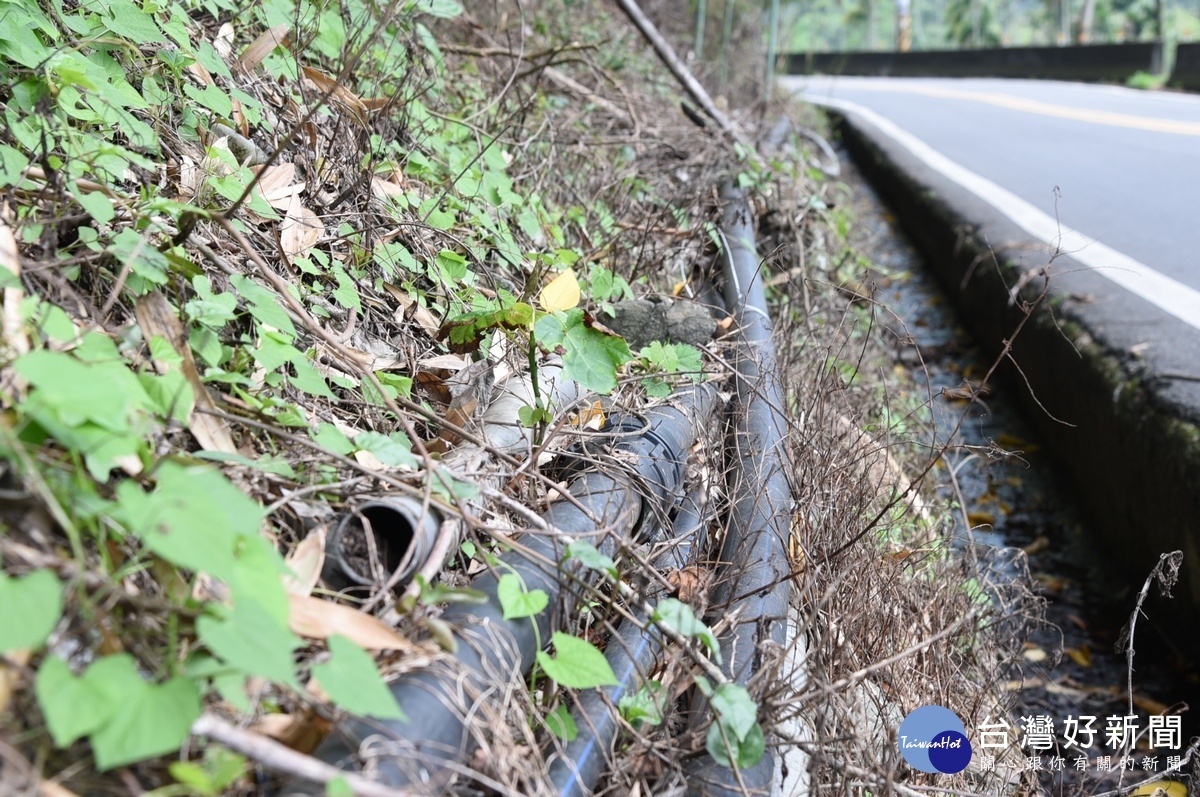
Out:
{"x": 1110, "y": 175}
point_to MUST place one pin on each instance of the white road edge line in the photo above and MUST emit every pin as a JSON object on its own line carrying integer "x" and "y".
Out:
{"x": 1162, "y": 291}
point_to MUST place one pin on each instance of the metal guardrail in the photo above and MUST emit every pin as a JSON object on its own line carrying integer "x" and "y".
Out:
{"x": 1186, "y": 73}
{"x": 1114, "y": 63}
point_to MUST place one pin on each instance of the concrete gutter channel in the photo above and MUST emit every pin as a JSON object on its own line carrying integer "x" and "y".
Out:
{"x": 1132, "y": 451}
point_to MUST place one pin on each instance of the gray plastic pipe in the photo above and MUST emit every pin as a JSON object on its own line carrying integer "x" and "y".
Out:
{"x": 632, "y": 653}
{"x": 443, "y": 699}
{"x": 403, "y": 530}
{"x": 753, "y": 579}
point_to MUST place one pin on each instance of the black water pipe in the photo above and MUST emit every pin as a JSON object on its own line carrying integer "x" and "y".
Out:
{"x": 631, "y": 654}
{"x": 644, "y": 480}
{"x": 752, "y": 580}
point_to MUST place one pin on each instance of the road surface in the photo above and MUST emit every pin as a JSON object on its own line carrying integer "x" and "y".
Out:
{"x": 1109, "y": 175}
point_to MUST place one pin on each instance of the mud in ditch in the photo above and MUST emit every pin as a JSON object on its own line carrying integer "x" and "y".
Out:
{"x": 1009, "y": 499}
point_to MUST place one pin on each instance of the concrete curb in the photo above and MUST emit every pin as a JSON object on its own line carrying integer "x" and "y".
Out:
{"x": 1133, "y": 454}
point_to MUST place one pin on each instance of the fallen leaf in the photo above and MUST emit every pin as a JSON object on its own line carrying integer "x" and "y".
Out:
{"x": 1013, "y": 443}
{"x": 261, "y": 47}
{"x": 1037, "y": 546}
{"x": 981, "y": 519}
{"x": 561, "y": 293}
{"x": 315, "y": 618}
{"x": 48, "y": 788}
{"x": 223, "y": 41}
{"x": 302, "y": 732}
{"x": 1081, "y": 655}
{"x": 446, "y": 362}
{"x": 305, "y": 561}
{"x": 1035, "y": 655}
{"x": 590, "y": 417}
{"x": 10, "y": 674}
{"x": 155, "y": 316}
{"x": 411, "y": 308}
{"x": 1150, "y": 705}
{"x": 13, "y": 329}
{"x": 300, "y": 230}
{"x": 338, "y": 95}
{"x": 1161, "y": 788}
{"x": 278, "y": 184}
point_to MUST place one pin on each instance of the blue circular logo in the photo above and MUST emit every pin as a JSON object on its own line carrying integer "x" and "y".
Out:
{"x": 933, "y": 739}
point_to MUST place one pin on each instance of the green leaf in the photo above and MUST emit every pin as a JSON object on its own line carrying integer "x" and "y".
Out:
{"x": 352, "y": 681}
{"x": 679, "y": 617}
{"x": 586, "y": 554}
{"x": 560, "y": 723}
{"x": 746, "y": 752}
{"x": 330, "y": 438}
{"x": 644, "y": 705}
{"x": 127, "y": 20}
{"x": 148, "y": 720}
{"x": 98, "y": 206}
{"x": 578, "y": 665}
{"x": 516, "y": 601}
{"x": 253, "y": 641}
{"x": 29, "y": 609}
{"x": 736, "y": 709}
{"x": 672, "y": 357}
{"x": 446, "y": 9}
{"x": 339, "y": 787}
{"x": 392, "y": 450}
{"x": 73, "y": 707}
{"x": 194, "y": 518}
{"x": 591, "y": 357}
{"x": 265, "y": 305}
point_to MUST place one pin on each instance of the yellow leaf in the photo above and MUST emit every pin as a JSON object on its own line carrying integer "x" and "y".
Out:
{"x": 1080, "y": 655}
{"x": 320, "y": 619}
{"x": 1035, "y": 655}
{"x": 591, "y": 417}
{"x": 1162, "y": 788}
{"x": 981, "y": 519}
{"x": 561, "y": 293}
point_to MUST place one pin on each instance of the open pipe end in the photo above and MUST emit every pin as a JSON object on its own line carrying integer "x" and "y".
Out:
{"x": 382, "y": 540}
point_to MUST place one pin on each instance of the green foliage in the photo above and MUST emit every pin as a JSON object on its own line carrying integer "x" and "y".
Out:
{"x": 677, "y": 616}
{"x": 735, "y": 738}
{"x": 516, "y": 601}
{"x": 212, "y": 776}
{"x": 591, "y": 355}
{"x": 352, "y": 681}
{"x": 578, "y": 665}
{"x": 560, "y": 723}
{"x": 669, "y": 359}
{"x": 29, "y": 609}
{"x": 645, "y": 705}
{"x": 125, "y": 717}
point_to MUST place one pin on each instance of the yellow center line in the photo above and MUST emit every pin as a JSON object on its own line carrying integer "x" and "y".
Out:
{"x": 1110, "y": 118}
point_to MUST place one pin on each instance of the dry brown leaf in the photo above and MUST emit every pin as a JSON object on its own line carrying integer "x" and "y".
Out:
{"x": 446, "y": 362}
{"x": 302, "y": 732}
{"x": 590, "y": 417}
{"x": 1038, "y": 545}
{"x": 1081, "y": 655}
{"x": 198, "y": 71}
{"x": 155, "y": 316}
{"x": 410, "y": 308}
{"x": 300, "y": 230}
{"x": 386, "y": 189}
{"x": 305, "y": 561}
{"x": 13, "y": 330}
{"x": 261, "y": 47}
{"x": 48, "y": 788}
{"x": 10, "y": 674}
{"x": 981, "y": 519}
{"x": 339, "y": 95}
{"x": 320, "y": 619}
{"x": 278, "y": 185}
{"x": 223, "y": 41}
{"x": 1149, "y": 705}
